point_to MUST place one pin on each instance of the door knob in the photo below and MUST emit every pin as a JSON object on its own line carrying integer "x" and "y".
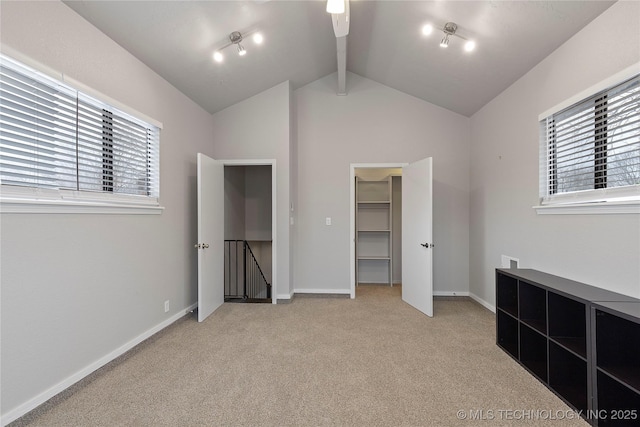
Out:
{"x": 197, "y": 246}
{"x": 205, "y": 245}
{"x": 427, "y": 245}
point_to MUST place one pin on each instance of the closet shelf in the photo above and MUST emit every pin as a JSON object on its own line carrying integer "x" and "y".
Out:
{"x": 373, "y": 231}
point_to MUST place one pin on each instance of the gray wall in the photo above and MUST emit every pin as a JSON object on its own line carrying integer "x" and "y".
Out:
{"x": 375, "y": 124}
{"x": 262, "y": 251}
{"x": 601, "y": 250}
{"x": 234, "y": 203}
{"x": 247, "y": 202}
{"x": 258, "y": 128}
{"x": 75, "y": 288}
{"x": 257, "y": 209}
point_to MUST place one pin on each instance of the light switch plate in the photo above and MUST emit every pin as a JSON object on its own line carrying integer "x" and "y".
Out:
{"x": 328, "y": 220}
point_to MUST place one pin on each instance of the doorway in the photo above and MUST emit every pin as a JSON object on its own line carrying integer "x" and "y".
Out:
{"x": 211, "y": 230}
{"x": 248, "y": 242}
{"x": 378, "y": 220}
{"x": 416, "y": 272}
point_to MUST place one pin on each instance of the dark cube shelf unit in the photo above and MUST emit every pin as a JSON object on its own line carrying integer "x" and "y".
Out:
{"x": 581, "y": 341}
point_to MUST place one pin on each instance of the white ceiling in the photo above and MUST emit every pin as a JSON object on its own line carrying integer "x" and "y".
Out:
{"x": 177, "y": 38}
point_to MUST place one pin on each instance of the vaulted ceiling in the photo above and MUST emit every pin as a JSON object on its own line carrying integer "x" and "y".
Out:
{"x": 177, "y": 39}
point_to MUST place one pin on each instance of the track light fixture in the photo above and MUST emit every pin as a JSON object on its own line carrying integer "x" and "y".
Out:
{"x": 236, "y": 38}
{"x": 449, "y": 29}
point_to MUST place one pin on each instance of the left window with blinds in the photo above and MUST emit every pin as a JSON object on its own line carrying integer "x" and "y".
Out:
{"x": 62, "y": 148}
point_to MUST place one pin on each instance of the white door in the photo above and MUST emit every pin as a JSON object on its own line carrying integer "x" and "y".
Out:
{"x": 210, "y": 244}
{"x": 417, "y": 237}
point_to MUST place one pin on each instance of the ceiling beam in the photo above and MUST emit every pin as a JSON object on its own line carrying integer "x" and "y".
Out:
{"x": 341, "y": 48}
{"x": 341, "y": 30}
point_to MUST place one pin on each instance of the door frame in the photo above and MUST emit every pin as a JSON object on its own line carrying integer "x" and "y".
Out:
{"x": 274, "y": 217}
{"x": 352, "y": 211}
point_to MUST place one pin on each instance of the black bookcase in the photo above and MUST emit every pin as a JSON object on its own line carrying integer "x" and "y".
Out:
{"x": 555, "y": 327}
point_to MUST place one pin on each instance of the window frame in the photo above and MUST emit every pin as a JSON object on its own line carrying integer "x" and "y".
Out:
{"x": 599, "y": 200}
{"x": 25, "y": 199}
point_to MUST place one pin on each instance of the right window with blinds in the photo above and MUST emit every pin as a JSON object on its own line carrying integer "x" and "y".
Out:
{"x": 590, "y": 151}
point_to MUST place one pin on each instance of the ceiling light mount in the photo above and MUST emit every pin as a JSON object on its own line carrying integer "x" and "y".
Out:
{"x": 450, "y": 28}
{"x": 236, "y": 38}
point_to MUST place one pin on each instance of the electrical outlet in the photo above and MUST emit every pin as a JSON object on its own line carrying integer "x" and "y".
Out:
{"x": 166, "y": 306}
{"x": 327, "y": 220}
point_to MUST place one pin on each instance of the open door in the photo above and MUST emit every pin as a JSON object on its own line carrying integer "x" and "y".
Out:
{"x": 417, "y": 243}
{"x": 210, "y": 236}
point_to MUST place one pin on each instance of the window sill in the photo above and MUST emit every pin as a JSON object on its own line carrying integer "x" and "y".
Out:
{"x": 592, "y": 208}
{"x": 70, "y": 202}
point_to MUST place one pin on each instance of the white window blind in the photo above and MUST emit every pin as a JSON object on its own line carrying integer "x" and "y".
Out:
{"x": 590, "y": 151}
{"x": 52, "y": 136}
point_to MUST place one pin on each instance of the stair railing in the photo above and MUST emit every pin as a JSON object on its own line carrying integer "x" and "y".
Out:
{"x": 244, "y": 280}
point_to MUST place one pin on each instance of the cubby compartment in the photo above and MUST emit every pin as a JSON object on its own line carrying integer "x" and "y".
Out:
{"x": 507, "y": 294}
{"x": 568, "y": 376}
{"x": 616, "y": 403}
{"x": 533, "y": 306}
{"x": 568, "y": 323}
{"x": 618, "y": 348}
{"x": 533, "y": 351}
{"x": 507, "y": 330}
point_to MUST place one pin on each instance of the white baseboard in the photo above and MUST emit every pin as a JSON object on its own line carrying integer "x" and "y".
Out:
{"x": 450, "y": 294}
{"x": 30, "y": 405}
{"x": 285, "y": 296}
{"x": 322, "y": 291}
{"x": 482, "y": 302}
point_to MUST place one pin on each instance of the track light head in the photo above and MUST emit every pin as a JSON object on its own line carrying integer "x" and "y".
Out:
{"x": 427, "y": 29}
{"x": 469, "y": 45}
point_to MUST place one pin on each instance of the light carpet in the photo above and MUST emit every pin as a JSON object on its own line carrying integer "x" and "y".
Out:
{"x": 370, "y": 361}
